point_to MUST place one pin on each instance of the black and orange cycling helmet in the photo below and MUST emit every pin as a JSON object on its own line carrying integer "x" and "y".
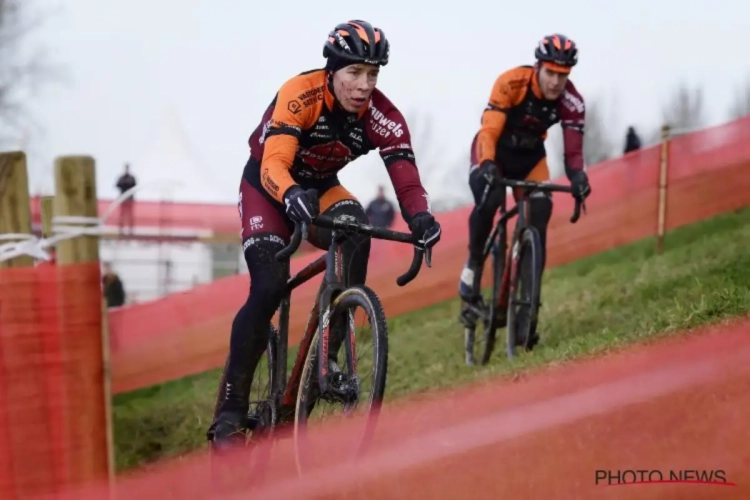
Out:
{"x": 355, "y": 42}
{"x": 557, "y": 52}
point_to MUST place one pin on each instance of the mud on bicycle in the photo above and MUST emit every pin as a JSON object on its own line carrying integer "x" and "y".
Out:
{"x": 513, "y": 300}
{"x": 285, "y": 399}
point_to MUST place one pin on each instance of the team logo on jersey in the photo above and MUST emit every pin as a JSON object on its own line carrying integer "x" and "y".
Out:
{"x": 326, "y": 156}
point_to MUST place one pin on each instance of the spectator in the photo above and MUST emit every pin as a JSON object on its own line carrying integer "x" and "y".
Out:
{"x": 632, "y": 141}
{"x": 124, "y": 183}
{"x": 112, "y": 287}
{"x": 380, "y": 210}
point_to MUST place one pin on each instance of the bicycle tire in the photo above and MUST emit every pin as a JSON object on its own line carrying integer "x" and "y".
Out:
{"x": 270, "y": 354}
{"x": 522, "y": 313}
{"x": 256, "y": 464}
{"x": 350, "y": 299}
{"x": 491, "y": 326}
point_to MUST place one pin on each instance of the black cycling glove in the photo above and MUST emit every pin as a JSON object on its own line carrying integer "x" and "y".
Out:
{"x": 482, "y": 179}
{"x": 301, "y": 206}
{"x": 489, "y": 170}
{"x": 425, "y": 230}
{"x": 580, "y": 184}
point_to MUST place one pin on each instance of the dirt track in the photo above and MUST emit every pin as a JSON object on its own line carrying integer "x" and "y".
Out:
{"x": 679, "y": 404}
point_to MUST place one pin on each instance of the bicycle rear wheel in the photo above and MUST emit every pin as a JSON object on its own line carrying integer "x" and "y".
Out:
{"x": 523, "y": 300}
{"x": 343, "y": 311}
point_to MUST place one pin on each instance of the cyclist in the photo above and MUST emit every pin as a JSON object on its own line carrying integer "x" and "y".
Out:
{"x": 318, "y": 122}
{"x": 524, "y": 103}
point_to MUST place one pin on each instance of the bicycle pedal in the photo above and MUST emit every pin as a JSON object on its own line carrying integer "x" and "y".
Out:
{"x": 252, "y": 422}
{"x": 468, "y": 319}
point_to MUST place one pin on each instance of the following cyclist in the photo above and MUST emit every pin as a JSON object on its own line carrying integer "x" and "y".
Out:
{"x": 524, "y": 103}
{"x": 318, "y": 122}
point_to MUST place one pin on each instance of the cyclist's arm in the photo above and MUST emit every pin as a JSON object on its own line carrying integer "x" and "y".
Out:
{"x": 288, "y": 120}
{"x": 572, "y": 118}
{"x": 398, "y": 155}
{"x": 493, "y": 119}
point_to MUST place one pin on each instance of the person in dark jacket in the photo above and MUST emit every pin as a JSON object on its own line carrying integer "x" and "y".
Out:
{"x": 632, "y": 141}
{"x": 380, "y": 211}
{"x": 112, "y": 286}
{"x": 124, "y": 183}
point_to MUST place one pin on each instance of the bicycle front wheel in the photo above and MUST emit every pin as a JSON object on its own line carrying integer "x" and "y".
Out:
{"x": 524, "y": 289}
{"x": 491, "y": 324}
{"x": 347, "y": 385}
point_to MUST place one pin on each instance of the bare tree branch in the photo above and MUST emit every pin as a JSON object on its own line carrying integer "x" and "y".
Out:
{"x": 741, "y": 105}
{"x": 24, "y": 69}
{"x": 684, "y": 111}
{"x": 597, "y": 142}
{"x": 650, "y": 137}
{"x": 440, "y": 175}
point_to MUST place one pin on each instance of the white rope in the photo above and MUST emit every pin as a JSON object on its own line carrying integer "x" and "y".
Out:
{"x": 63, "y": 228}
{"x": 66, "y": 227}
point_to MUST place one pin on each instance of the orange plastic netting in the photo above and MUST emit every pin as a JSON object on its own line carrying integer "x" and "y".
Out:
{"x": 52, "y": 411}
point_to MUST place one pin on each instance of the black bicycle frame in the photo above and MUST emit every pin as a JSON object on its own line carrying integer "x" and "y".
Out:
{"x": 520, "y": 208}
{"x": 284, "y": 392}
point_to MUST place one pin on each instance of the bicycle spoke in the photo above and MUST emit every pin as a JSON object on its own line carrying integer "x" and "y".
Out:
{"x": 360, "y": 382}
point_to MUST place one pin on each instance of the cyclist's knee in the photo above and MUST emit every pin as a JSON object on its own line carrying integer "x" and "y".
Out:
{"x": 540, "y": 209}
{"x": 356, "y": 247}
{"x": 353, "y": 210}
{"x": 267, "y": 275}
{"x": 350, "y": 208}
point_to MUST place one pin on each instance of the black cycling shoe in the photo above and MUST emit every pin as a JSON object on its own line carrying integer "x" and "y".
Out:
{"x": 467, "y": 317}
{"x": 228, "y": 430}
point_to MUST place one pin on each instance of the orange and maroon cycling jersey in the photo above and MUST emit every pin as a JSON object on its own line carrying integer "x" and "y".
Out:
{"x": 517, "y": 118}
{"x": 300, "y": 140}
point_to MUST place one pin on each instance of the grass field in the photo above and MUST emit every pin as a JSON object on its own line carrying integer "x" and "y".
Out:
{"x": 591, "y": 306}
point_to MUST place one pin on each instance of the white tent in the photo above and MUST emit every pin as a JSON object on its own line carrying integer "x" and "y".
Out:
{"x": 172, "y": 156}
{"x": 170, "y": 169}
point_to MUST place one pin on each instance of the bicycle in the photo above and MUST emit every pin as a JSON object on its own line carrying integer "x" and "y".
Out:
{"x": 525, "y": 256}
{"x": 286, "y": 400}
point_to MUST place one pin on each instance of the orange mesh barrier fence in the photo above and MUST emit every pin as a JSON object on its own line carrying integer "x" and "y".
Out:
{"x": 676, "y": 409}
{"x": 168, "y": 215}
{"x": 51, "y": 378}
{"x": 708, "y": 173}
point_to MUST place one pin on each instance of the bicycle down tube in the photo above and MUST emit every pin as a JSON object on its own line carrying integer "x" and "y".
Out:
{"x": 285, "y": 393}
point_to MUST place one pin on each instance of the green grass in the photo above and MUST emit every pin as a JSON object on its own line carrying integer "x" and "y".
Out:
{"x": 591, "y": 306}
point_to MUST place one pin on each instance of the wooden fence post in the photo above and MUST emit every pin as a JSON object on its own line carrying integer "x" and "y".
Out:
{"x": 15, "y": 204}
{"x": 25, "y": 470}
{"x": 663, "y": 179}
{"x": 46, "y": 205}
{"x": 90, "y": 430}
{"x": 46, "y": 212}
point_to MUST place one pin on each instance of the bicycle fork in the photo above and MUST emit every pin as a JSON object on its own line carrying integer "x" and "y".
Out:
{"x": 333, "y": 384}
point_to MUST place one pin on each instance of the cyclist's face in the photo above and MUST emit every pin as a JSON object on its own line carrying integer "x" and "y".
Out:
{"x": 552, "y": 83}
{"x": 353, "y": 85}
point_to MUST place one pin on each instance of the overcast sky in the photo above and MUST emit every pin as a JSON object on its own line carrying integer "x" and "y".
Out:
{"x": 176, "y": 87}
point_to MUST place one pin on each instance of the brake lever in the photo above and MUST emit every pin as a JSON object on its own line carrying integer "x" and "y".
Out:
{"x": 428, "y": 257}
